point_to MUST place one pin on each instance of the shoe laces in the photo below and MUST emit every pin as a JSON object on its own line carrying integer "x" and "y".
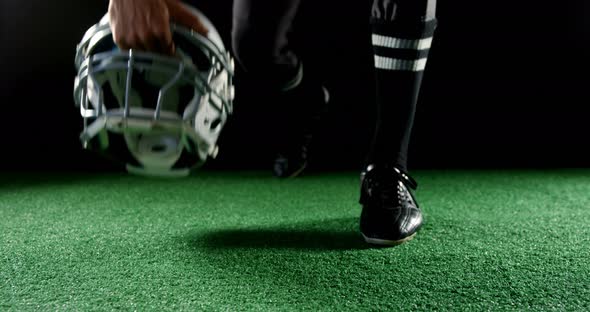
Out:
{"x": 391, "y": 186}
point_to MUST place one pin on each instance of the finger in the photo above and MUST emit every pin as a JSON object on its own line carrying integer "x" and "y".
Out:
{"x": 120, "y": 41}
{"x": 168, "y": 48}
{"x": 163, "y": 39}
{"x": 123, "y": 45}
{"x": 119, "y": 36}
{"x": 151, "y": 43}
{"x": 162, "y": 47}
{"x": 135, "y": 42}
{"x": 127, "y": 40}
{"x": 172, "y": 49}
{"x": 183, "y": 16}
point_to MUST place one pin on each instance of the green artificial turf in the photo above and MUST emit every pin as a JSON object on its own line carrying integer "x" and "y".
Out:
{"x": 493, "y": 240}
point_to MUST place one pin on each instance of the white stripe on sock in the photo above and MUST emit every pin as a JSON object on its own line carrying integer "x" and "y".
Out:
{"x": 399, "y": 43}
{"x": 399, "y": 64}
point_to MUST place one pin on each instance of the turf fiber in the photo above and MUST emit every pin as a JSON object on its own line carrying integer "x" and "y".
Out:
{"x": 493, "y": 240}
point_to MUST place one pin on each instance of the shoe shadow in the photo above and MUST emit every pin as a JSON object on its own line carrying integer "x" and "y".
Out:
{"x": 334, "y": 234}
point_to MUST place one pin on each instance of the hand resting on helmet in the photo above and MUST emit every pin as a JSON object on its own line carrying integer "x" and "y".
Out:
{"x": 145, "y": 24}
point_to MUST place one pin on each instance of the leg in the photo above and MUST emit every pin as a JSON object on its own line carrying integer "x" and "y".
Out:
{"x": 261, "y": 44}
{"x": 260, "y": 38}
{"x": 402, "y": 34}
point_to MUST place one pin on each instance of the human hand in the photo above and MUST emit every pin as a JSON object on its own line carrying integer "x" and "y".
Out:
{"x": 145, "y": 24}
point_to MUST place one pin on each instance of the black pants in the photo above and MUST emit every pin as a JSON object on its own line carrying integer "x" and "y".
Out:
{"x": 261, "y": 30}
{"x": 402, "y": 32}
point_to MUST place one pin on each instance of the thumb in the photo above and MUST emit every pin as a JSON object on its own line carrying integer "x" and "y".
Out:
{"x": 181, "y": 15}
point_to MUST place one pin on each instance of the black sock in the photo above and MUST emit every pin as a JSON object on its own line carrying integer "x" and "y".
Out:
{"x": 401, "y": 50}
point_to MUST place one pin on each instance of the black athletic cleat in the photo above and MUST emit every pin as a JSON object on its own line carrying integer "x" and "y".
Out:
{"x": 301, "y": 116}
{"x": 390, "y": 213}
{"x": 290, "y": 165}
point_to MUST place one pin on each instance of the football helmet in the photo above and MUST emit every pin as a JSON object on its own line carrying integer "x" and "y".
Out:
{"x": 160, "y": 115}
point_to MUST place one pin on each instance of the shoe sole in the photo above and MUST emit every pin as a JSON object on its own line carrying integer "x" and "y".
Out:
{"x": 297, "y": 172}
{"x": 294, "y": 174}
{"x": 387, "y": 242}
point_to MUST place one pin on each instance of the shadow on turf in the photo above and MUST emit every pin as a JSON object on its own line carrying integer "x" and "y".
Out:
{"x": 337, "y": 234}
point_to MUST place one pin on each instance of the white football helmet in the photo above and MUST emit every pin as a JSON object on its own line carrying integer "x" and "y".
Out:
{"x": 161, "y": 115}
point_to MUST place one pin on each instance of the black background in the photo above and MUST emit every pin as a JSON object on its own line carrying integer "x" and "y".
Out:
{"x": 506, "y": 86}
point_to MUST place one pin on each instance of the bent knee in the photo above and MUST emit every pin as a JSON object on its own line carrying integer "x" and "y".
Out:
{"x": 254, "y": 51}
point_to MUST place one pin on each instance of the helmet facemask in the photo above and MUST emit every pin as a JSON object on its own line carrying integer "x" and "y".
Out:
{"x": 169, "y": 111}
